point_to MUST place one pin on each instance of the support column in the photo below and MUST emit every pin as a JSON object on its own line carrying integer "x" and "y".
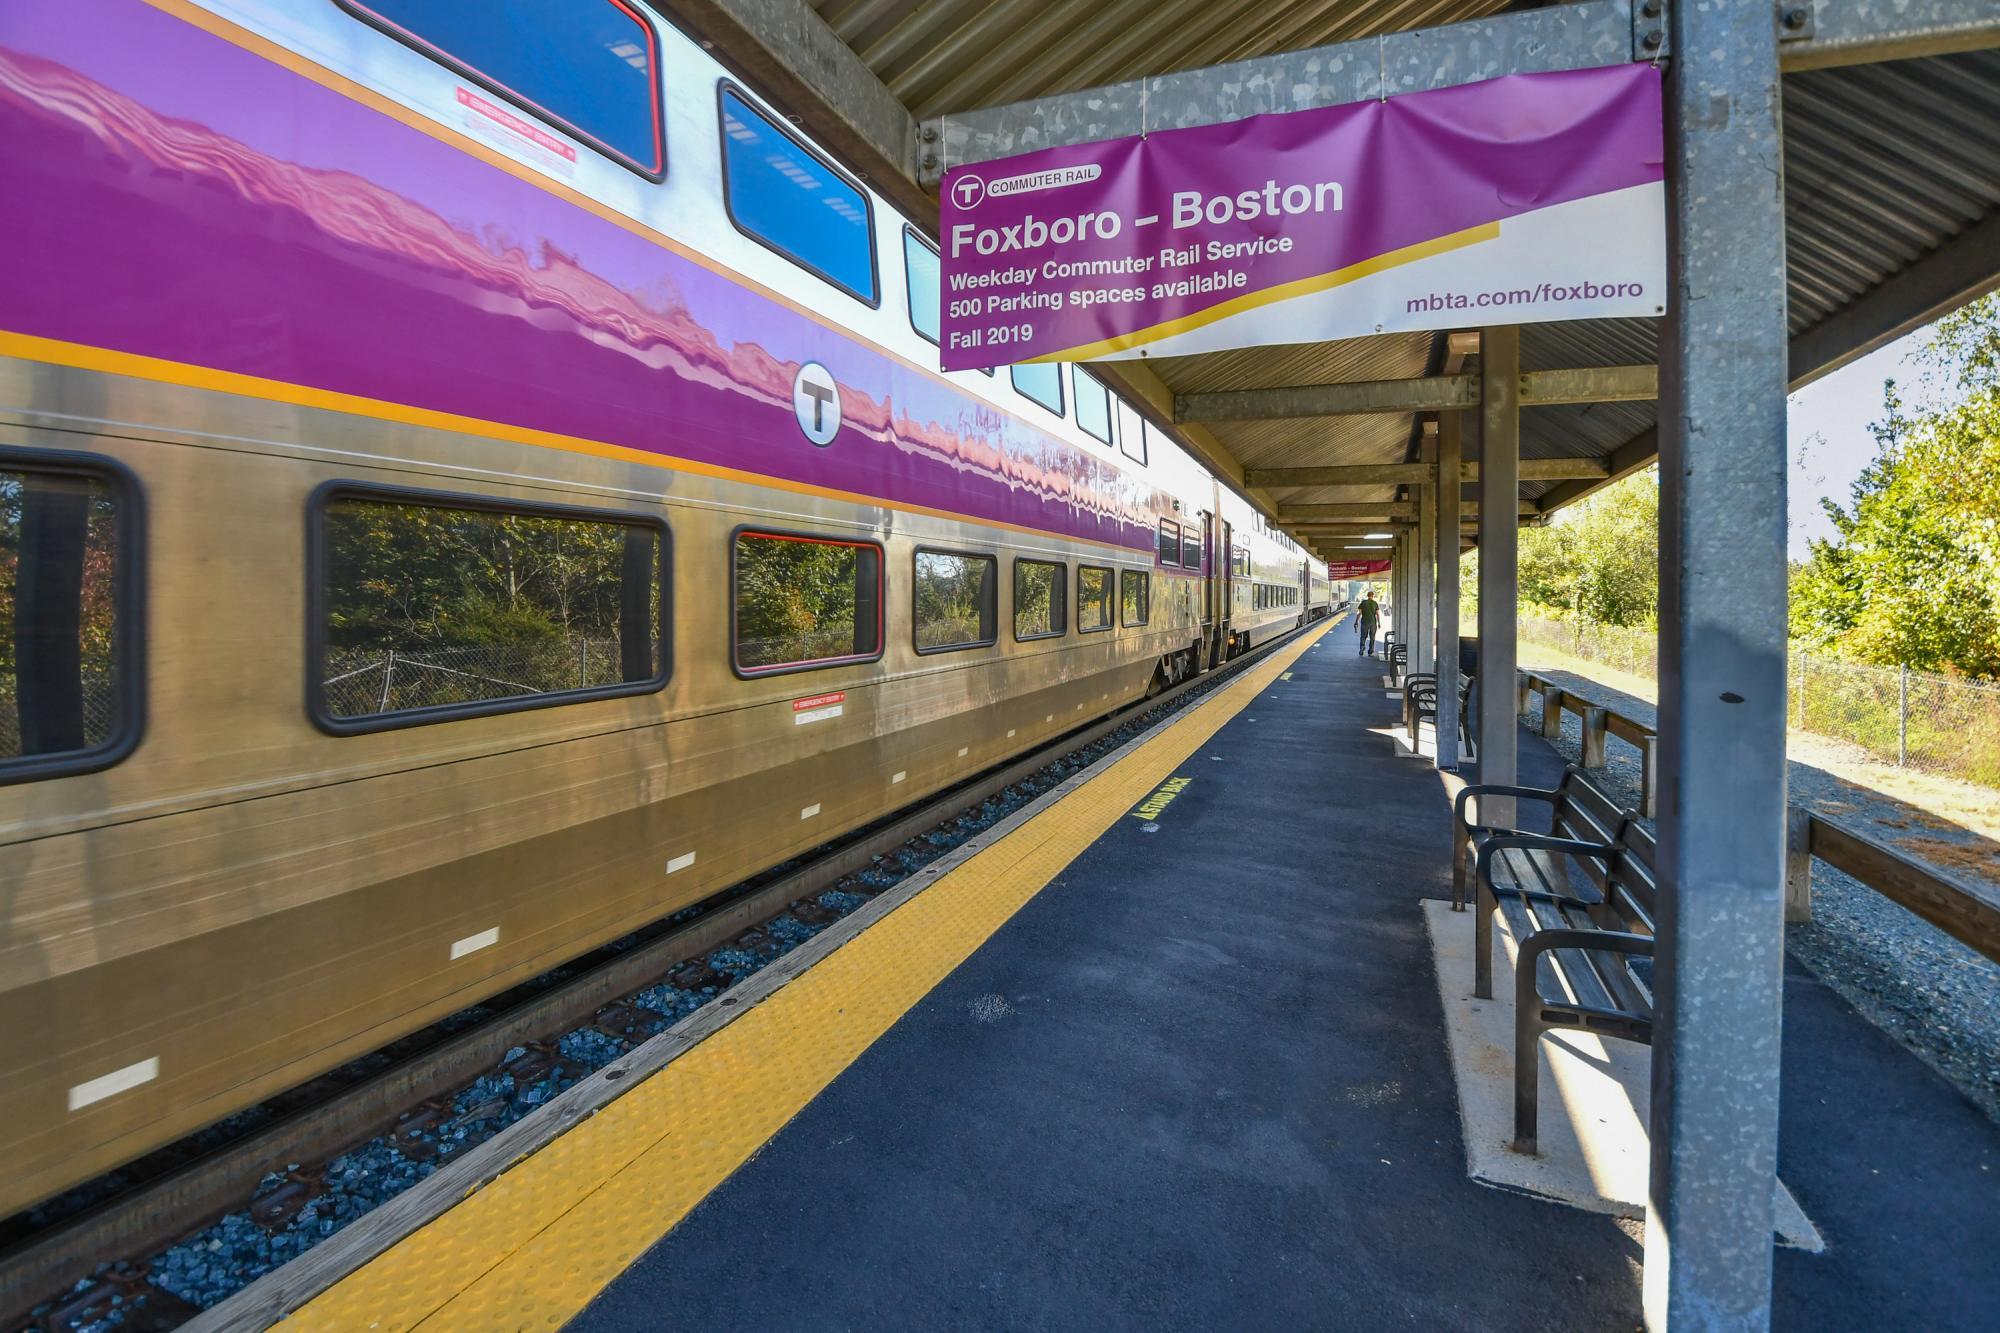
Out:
{"x": 1445, "y": 533}
{"x": 1499, "y": 540}
{"x": 1423, "y": 645}
{"x": 1720, "y": 939}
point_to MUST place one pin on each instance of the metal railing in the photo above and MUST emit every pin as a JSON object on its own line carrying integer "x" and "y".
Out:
{"x": 1968, "y": 913}
{"x": 1916, "y": 719}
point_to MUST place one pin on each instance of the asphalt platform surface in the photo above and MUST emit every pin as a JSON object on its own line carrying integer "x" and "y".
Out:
{"x": 1202, "y": 1077}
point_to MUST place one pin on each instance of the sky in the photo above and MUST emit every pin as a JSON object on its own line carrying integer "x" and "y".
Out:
{"x": 1828, "y": 429}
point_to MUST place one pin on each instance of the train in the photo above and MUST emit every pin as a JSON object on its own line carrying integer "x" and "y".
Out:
{"x": 475, "y": 480}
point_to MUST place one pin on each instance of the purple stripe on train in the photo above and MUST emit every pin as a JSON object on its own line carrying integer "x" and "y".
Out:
{"x": 195, "y": 202}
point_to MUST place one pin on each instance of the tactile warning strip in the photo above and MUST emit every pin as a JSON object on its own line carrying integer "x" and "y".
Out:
{"x": 531, "y": 1249}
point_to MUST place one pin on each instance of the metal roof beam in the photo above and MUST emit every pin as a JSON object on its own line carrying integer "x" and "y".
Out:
{"x": 1559, "y": 37}
{"x": 786, "y": 51}
{"x": 1433, "y": 393}
{"x": 1419, "y": 474}
{"x": 1857, "y": 32}
{"x": 1960, "y": 270}
{"x": 1388, "y": 511}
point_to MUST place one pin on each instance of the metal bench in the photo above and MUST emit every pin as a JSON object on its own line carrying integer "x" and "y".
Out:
{"x": 1579, "y": 899}
{"x": 1420, "y": 702}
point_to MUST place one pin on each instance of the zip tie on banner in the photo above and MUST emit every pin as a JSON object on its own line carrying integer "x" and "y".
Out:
{"x": 1382, "y": 69}
{"x": 1142, "y": 106}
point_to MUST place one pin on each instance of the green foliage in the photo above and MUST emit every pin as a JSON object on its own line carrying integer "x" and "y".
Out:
{"x": 410, "y": 577}
{"x": 801, "y": 601}
{"x": 1596, "y": 563}
{"x": 954, "y": 599}
{"x": 1912, "y": 576}
{"x": 1037, "y": 608}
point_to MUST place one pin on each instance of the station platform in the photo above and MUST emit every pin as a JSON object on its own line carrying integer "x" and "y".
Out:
{"x": 1170, "y": 1049}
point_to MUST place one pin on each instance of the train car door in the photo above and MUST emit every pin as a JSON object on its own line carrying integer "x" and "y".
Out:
{"x": 1224, "y": 570}
{"x": 1208, "y": 583}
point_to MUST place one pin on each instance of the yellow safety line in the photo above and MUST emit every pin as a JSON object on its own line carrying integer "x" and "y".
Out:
{"x": 536, "y": 1245}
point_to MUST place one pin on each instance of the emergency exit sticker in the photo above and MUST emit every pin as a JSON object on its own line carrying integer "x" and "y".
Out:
{"x": 818, "y": 707}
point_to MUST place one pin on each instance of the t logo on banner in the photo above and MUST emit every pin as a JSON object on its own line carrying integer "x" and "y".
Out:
{"x": 967, "y": 191}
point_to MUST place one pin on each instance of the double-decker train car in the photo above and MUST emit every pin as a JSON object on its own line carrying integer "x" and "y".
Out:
{"x": 473, "y": 480}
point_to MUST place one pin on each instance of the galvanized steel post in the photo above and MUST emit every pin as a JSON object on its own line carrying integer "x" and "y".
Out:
{"x": 1421, "y": 646}
{"x": 1445, "y": 530}
{"x": 1499, "y": 543}
{"x": 1720, "y": 931}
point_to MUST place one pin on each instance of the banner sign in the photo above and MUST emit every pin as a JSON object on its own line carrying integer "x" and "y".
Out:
{"x": 1520, "y": 199}
{"x": 1336, "y": 570}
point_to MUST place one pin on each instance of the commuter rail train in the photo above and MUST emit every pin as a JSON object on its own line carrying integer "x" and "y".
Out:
{"x": 475, "y": 479}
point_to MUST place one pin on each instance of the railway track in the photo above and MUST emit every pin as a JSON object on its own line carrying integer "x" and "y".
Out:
{"x": 104, "y": 1245}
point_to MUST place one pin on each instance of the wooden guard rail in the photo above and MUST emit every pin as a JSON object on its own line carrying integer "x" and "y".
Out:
{"x": 1968, "y": 914}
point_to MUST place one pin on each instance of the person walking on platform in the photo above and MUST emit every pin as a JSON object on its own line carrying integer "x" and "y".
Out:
{"x": 1365, "y": 620}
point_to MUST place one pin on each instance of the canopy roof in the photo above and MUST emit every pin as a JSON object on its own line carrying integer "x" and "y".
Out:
{"x": 1892, "y": 161}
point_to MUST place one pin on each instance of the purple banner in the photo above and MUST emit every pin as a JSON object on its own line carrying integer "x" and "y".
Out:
{"x": 1528, "y": 198}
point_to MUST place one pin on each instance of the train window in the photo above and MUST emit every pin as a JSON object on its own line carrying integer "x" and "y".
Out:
{"x": 799, "y": 603}
{"x": 1093, "y": 403}
{"x": 428, "y": 607}
{"x": 69, "y": 661}
{"x": 784, "y": 195}
{"x": 1042, "y": 383}
{"x": 589, "y": 69}
{"x": 1041, "y": 599}
{"x": 1170, "y": 542}
{"x": 920, "y": 275}
{"x": 1133, "y": 442}
{"x": 1239, "y": 562}
{"x": 957, "y": 600}
{"x": 1093, "y": 598}
{"x": 1190, "y": 548}
{"x": 1135, "y": 592}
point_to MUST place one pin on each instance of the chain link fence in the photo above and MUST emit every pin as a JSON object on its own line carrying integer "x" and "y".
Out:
{"x": 1913, "y": 718}
{"x": 364, "y": 682}
{"x": 100, "y": 712}
{"x": 1940, "y": 724}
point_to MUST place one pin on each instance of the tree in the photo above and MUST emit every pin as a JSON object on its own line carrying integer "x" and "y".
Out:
{"x": 1912, "y": 574}
{"x": 1598, "y": 562}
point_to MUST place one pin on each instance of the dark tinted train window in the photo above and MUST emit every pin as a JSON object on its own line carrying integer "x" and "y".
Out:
{"x": 1094, "y": 590}
{"x": 782, "y": 193}
{"x": 1042, "y": 382}
{"x": 1135, "y": 592}
{"x": 588, "y": 67}
{"x": 920, "y": 273}
{"x": 804, "y": 602}
{"x": 1170, "y": 542}
{"x": 448, "y": 606}
{"x": 957, "y": 600}
{"x": 1239, "y": 562}
{"x": 1093, "y": 403}
{"x": 1190, "y": 548}
{"x": 1041, "y": 599}
{"x": 68, "y": 660}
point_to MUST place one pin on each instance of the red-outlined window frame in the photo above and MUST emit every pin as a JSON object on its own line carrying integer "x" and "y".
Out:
{"x": 1159, "y": 544}
{"x": 817, "y": 663}
{"x": 361, "y": 10}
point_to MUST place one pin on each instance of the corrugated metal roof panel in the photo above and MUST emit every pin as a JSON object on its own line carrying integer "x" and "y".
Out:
{"x": 956, "y": 55}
